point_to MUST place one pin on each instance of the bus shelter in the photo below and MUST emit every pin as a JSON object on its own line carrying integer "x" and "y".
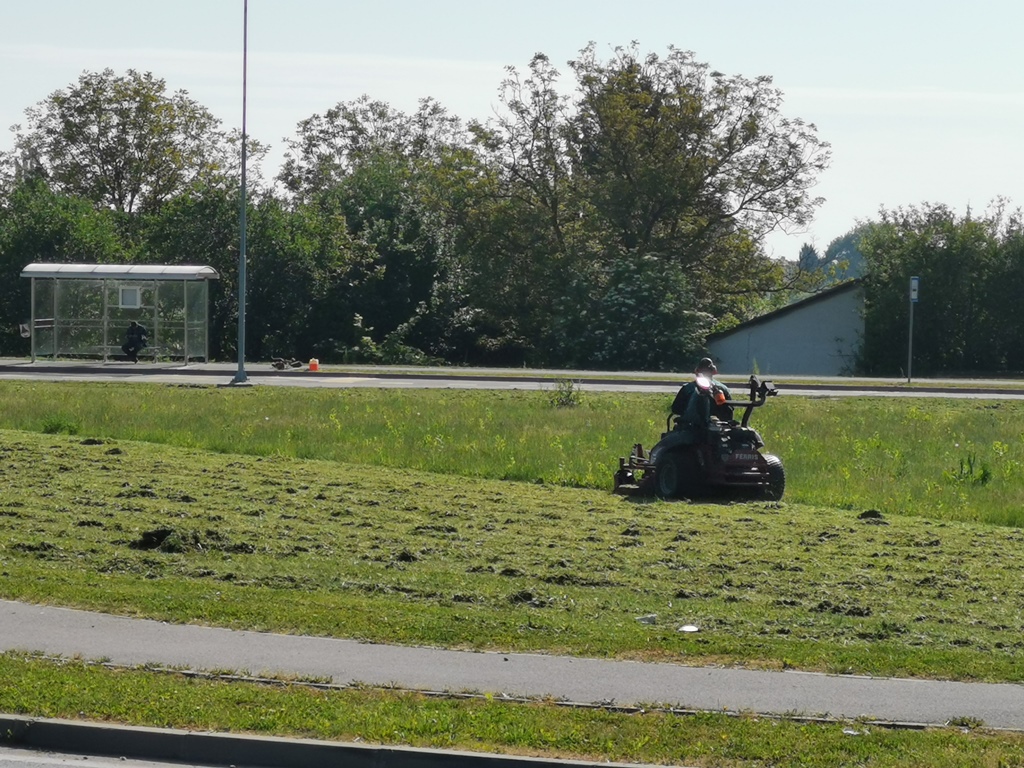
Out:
{"x": 83, "y": 310}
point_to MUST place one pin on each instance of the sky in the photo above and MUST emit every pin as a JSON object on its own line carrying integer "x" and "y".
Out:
{"x": 922, "y": 101}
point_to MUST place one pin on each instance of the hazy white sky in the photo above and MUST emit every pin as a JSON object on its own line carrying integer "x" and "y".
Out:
{"x": 922, "y": 100}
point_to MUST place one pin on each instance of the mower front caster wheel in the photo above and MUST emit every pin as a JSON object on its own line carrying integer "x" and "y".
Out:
{"x": 677, "y": 475}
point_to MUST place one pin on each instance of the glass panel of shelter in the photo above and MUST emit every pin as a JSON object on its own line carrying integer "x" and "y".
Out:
{"x": 89, "y": 317}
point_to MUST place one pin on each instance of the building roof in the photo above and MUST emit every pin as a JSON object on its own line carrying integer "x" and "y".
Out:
{"x": 120, "y": 271}
{"x": 843, "y": 287}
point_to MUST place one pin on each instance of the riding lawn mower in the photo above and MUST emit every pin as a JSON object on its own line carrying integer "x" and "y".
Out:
{"x": 711, "y": 454}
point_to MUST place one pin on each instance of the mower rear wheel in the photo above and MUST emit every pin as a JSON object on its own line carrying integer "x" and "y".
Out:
{"x": 776, "y": 485}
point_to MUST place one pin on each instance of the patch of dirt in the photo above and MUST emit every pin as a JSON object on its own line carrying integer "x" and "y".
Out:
{"x": 166, "y": 540}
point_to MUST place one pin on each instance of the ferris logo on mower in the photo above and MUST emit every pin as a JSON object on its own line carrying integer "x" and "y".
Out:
{"x": 745, "y": 456}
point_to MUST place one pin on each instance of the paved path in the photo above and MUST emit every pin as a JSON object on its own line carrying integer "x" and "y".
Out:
{"x": 66, "y": 632}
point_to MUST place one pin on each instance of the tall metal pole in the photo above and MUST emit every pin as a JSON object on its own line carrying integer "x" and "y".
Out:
{"x": 910, "y": 342}
{"x": 32, "y": 320}
{"x": 240, "y": 376}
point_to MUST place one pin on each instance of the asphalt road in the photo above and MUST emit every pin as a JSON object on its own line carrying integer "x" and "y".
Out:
{"x": 25, "y": 758}
{"x": 47, "y": 742}
{"x": 226, "y": 374}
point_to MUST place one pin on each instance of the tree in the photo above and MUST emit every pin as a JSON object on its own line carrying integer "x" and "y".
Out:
{"x": 679, "y": 157}
{"x": 843, "y": 255}
{"x": 298, "y": 259}
{"x": 121, "y": 141}
{"x": 531, "y": 143}
{"x": 532, "y": 237}
{"x": 652, "y": 159}
{"x": 645, "y": 320}
{"x": 329, "y": 147}
{"x": 808, "y": 260}
{"x": 1008, "y": 287}
{"x": 961, "y": 264}
{"x": 382, "y": 174}
{"x": 294, "y": 259}
{"x": 200, "y": 226}
{"x": 39, "y": 225}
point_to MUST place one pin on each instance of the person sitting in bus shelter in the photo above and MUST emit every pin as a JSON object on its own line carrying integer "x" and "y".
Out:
{"x": 135, "y": 339}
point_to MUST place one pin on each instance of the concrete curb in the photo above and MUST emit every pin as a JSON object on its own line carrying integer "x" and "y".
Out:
{"x": 105, "y": 739}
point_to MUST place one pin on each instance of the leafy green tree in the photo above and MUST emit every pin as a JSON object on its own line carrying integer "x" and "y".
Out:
{"x": 808, "y": 260}
{"x": 292, "y": 258}
{"x": 378, "y": 172}
{"x": 1005, "y": 287}
{"x": 39, "y": 225}
{"x": 530, "y": 142}
{"x": 295, "y": 257}
{"x": 679, "y": 157}
{"x": 1006, "y": 295}
{"x": 644, "y": 320}
{"x": 652, "y": 158}
{"x": 844, "y": 256}
{"x": 959, "y": 262}
{"x": 329, "y": 147}
{"x": 532, "y": 236}
{"x": 8, "y": 173}
{"x": 121, "y": 141}
{"x": 201, "y": 226}
{"x": 459, "y": 204}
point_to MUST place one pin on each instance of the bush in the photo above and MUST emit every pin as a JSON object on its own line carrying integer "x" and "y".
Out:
{"x": 56, "y": 425}
{"x": 566, "y": 394}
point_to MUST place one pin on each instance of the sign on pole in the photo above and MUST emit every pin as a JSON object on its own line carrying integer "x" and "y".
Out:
{"x": 915, "y": 283}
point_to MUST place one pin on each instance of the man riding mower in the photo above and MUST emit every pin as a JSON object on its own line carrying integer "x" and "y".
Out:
{"x": 704, "y": 449}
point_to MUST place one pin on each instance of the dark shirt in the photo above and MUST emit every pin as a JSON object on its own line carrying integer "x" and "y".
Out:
{"x": 135, "y": 336}
{"x": 684, "y": 404}
{"x": 683, "y": 398}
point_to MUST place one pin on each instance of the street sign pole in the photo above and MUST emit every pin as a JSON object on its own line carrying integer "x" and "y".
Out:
{"x": 914, "y": 285}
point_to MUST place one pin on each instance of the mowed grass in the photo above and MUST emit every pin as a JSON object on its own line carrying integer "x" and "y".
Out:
{"x": 941, "y": 459}
{"x": 404, "y": 556}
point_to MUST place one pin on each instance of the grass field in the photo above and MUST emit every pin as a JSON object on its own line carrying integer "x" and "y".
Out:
{"x": 483, "y": 520}
{"x": 941, "y": 459}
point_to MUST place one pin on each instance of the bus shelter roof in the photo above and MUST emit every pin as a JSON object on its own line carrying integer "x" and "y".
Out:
{"x": 121, "y": 271}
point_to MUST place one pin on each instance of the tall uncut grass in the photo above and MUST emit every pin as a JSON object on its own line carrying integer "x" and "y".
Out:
{"x": 949, "y": 459}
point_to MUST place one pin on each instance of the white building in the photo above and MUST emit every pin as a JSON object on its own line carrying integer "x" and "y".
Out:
{"x": 818, "y": 336}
